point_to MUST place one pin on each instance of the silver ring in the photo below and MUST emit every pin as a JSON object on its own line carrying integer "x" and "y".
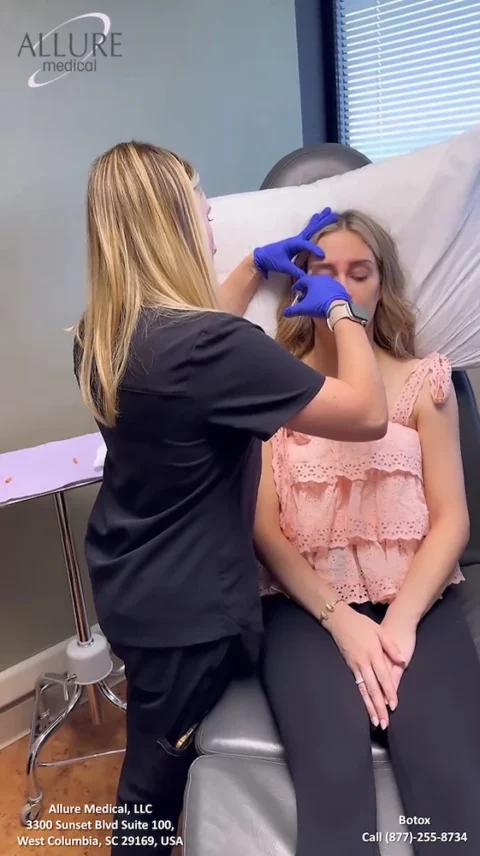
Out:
{"x": 360, "y": 681}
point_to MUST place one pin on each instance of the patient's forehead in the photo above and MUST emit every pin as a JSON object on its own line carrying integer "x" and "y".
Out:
{"x": 342, "y": 247}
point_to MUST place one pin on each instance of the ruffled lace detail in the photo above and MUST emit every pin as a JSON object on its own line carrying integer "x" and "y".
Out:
{"x": 334, "y": 494}
{"x": 357, "y": 511}
{"x": 398, "y": 452}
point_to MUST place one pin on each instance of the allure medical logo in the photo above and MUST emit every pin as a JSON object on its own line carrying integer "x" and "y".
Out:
{"x": 74, "y": 46}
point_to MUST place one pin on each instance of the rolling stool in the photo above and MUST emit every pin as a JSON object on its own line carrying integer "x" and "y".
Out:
{"x": 52, "y": 470}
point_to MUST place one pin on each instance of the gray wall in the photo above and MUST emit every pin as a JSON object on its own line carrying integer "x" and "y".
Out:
{"x": 216, "y": 80}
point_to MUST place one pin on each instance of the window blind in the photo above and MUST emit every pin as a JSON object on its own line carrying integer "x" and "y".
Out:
{"x": 408, "y": 72}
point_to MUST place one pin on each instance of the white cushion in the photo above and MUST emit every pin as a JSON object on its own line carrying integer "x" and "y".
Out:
{"x": 429, "y": 200}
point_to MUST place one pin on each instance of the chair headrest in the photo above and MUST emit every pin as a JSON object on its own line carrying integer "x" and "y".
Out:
{"x": 309, "y": 164}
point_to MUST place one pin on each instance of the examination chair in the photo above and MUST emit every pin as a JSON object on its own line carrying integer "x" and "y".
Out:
{"x": 240, "y": 799}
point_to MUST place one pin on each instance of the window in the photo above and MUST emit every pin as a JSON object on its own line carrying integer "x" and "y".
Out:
{"x": 408, "y": 72}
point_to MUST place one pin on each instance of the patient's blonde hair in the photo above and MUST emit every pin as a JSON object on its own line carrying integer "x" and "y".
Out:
{"x": 146, "y": 248}
{"x": 394, "y": 320}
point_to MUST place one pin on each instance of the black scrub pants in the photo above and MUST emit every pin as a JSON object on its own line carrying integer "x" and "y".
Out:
{"x": 433, "y": 737}
{"x": 169, "y": 691}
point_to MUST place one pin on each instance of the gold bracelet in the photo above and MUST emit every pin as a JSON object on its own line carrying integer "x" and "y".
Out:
{"x": 330, "y": 607}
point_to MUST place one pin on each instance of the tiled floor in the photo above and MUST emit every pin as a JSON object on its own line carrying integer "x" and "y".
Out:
{"x": 87, "y": 782}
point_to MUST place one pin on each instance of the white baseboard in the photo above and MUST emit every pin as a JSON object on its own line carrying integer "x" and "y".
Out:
{"x": 17, "y": 685}
{"x": 15, "y": 722}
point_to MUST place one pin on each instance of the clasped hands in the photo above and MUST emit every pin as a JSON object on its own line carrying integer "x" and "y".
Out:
{"x": 316, "y": 293}
{"x": 377, "y": 655}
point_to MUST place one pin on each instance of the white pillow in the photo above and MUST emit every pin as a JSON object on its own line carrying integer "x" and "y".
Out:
{"x": 429, "y": 200}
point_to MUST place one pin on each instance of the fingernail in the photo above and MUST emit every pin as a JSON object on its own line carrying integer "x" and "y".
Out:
{"x": 392, "y": 705}
{"x": 383, "y": 724}
{"x": 375, "y": 722}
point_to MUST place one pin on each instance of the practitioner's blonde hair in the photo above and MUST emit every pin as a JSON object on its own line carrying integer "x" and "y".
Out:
{"x": 146, "y": 247}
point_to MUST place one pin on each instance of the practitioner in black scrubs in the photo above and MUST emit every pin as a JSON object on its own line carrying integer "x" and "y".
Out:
{"x": 184, "y": 391}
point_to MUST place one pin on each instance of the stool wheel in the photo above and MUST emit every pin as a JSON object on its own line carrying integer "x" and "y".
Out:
{"x": 30, "y": 813}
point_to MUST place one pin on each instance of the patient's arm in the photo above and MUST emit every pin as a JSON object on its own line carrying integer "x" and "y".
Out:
{"x": 435, "y": 561}
{"x": 239, "y": 288}
{"x": 279, "y": 556}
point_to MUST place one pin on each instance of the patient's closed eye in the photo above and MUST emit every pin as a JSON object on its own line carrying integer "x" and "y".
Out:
{"x": 360, "y": 270}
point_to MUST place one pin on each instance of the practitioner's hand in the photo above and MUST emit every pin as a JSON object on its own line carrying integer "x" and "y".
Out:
{"x": 404, "y": 634}
{"x": 278, "y": 257}
{"x": 315, "y": 295}
{"x": 371, "y": 654}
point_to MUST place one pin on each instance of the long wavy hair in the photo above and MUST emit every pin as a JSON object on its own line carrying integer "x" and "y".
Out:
{"x": 146, "y": 247}
{"x": 394, "y": 319}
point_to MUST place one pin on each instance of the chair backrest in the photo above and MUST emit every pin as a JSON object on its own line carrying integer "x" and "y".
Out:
{"x": 470, "y": 442}
{"x": 312, "y": 163}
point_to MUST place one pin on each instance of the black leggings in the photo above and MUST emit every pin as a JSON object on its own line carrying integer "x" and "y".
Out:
{"x": 433, "y": 737}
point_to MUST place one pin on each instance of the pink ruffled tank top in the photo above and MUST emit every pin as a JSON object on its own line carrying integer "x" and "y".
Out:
{"x": 357, "y": 511}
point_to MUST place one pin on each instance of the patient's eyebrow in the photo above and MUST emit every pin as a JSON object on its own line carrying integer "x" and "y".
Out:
{"x": 361, "y": 262}
{"x": 320, "y": 263}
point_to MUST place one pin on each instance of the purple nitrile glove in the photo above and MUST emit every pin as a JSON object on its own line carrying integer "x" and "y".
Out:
{"x": 319, "y": 292}
{"x": 278, "y": 257}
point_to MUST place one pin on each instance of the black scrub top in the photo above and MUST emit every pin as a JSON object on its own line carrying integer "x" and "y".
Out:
{"x": 170, "y": 538}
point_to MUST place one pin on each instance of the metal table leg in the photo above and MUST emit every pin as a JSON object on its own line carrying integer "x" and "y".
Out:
{"x": 84, "y": 633}
{"x": 43, "y": 724}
